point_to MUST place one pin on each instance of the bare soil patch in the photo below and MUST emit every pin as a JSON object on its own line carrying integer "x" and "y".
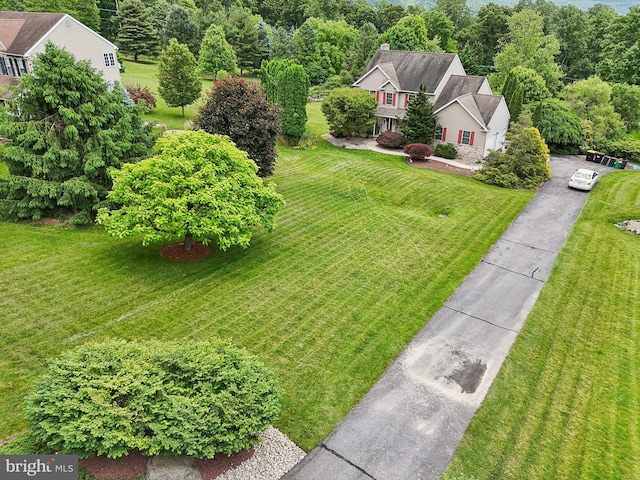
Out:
{"x": 441, "y": 167}
{"x": 176, "y": 252}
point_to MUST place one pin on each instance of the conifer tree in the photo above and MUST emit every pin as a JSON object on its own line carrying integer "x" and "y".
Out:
{"x": 136, "y": 33}
{"x": 180, "y": 26}
{"x": 419, "y": 124}
{"x": 179, "y": 82}
{"x": 69, "y": 129}
{"x": 293, "y": 85}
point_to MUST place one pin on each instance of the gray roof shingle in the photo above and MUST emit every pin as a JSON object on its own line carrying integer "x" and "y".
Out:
{"x": 19, "y": 31}
{"x": 456, "y": 86}
{"x": 414, "y": 68}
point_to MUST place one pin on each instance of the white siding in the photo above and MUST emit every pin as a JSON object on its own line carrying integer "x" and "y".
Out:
{"x": 84, "y": 44}
{"x": 455, "y": 118}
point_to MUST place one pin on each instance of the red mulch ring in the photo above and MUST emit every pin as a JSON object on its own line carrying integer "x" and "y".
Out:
{"x": 211, "y": 468}
{"x": 177, "y": 252}
{"x": 125, "y": 468}
{"x": 441, "y": 167}
{"x": 134, "y": 465}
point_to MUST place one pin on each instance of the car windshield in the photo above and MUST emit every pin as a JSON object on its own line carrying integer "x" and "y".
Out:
{"x": 582, "y": 175}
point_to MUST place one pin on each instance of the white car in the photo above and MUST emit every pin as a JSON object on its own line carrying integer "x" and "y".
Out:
{"x": 584, "y": 179}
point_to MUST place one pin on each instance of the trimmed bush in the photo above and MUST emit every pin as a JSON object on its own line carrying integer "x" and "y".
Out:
{"x": 180, "y": 398}
{"x": 445, "y": 150}
{"x": 389, "y": 139}
{"x": 626, "y": 148}
{"x": 418, "y": 151}
{"x": 141, "y": 94}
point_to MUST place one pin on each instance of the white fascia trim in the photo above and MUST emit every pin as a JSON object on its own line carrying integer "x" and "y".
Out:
{"x": 485, "y": 129}
{"x": 65, "y": 17}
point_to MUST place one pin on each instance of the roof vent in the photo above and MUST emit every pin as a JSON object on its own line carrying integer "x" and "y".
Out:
{"x": 384, "y": 46}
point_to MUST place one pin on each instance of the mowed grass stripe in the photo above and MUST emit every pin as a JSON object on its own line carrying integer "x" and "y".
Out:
{"x": 565, "y": 404}
{"x": 357, "y": 264}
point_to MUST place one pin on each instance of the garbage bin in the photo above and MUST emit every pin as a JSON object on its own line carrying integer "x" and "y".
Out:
{"x": 612, "y": 161}
{"x": 590, "y": 155}
{"x": 617, "y": 164}
{"x": 598, "y": 157}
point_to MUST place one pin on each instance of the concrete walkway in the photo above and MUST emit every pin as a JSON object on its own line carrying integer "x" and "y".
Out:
{"x": 409, "y": 425}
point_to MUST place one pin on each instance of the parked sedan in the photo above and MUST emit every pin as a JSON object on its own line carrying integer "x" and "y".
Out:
{"x": 584, "y": 179}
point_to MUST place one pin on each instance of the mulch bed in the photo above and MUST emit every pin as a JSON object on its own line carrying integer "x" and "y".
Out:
{"x": 134, "y": 465}
{"x": 177, "y": 252}
{"x": 441, "y": 167}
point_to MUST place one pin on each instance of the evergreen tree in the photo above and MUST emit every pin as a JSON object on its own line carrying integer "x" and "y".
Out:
{"x": 241, "y": 31}
{"x": 281, "y": 45}
{"x": 69, "y": 130}
{"x": 293, "y": 86}
{"x": 419, "y": 124}
{"x": 180, "y": 26}
{"x": 515, "y": 104}
{"x": 179, "y": 82}
{"x": 366, "y": 44}
{"x": 240, "y": 110}
{"x": 136, "y": 34}
{"x": 264, "y": 42}
{"x": 215, "y": 53}
{"x": 269, "y": 72}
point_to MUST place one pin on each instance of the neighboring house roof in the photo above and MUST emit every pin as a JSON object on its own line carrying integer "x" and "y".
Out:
{"x": 411, "y": 69}
{"x": 456, "y": 86}
{"x": 20, "y": 31}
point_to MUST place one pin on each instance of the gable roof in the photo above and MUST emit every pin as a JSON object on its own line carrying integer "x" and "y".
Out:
{"x": 480, "y": 106}
{"x": 456, "y": 86}
{"x": 20, "y": 31}
{"x": 411, "y": 69}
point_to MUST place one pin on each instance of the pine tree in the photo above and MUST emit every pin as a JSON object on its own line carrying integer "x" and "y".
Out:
{"x": 69, "y": 130}
{"x": 180, "y": 26}
{"x": 419, "y": 124}
{"x": 215, "y": 53}
{"x": 281, "y": 45}
{"x": 515, "y": 104}
{"x": 179, "y": 82}
{"x": 136, "y": 33}
{"x": 241, "y": 32}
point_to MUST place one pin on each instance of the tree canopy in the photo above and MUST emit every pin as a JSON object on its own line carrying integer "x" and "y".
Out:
{"x": 216, "y": 54}
{"x": 69, "y": 129}
{"x": 419, "y": 124}
{"x": 196, "y": 185}
{"x": 350, "y": 111}
{"x": 240, "y": 110}
{"x": 136, "y": 33}
{"x": 178, "y": 80}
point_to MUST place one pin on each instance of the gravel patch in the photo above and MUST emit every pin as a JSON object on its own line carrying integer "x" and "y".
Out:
{"x": 632, "y": 226}
{"x": 272, "y": 458}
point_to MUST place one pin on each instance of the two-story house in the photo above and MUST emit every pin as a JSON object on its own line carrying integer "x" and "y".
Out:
{"x": 23, "y": 35}
{"x": 470, "y": 116}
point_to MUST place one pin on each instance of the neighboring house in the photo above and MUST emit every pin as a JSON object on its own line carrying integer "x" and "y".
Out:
{"x": 23, "y": 35}
{"x": 470, "y": 116}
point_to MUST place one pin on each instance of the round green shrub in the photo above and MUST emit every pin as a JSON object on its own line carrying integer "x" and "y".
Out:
{"x": 178, "y": 398}
{"x": 445, "y": 150}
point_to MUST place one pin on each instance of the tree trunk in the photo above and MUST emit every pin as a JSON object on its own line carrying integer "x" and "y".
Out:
{"x": 182, "y": 111}
{"x": 188, "y": 241}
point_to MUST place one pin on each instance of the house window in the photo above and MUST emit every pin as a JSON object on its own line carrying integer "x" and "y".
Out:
{"x": 438, "y": 134}
{"x": 388, "y": 99}
{"x": 22, "y": 66}
{"x": 410, "y": 97}
{"x": 7, "y": 67}
{"x": 109, "y": 60}
{"x": 466, "y": 138}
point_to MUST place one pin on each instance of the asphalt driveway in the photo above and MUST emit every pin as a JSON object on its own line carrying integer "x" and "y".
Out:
{"x": 410, "y": 423}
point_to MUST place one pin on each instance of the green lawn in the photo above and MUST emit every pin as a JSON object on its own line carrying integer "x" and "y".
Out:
{"x": 359, "y": 261}
{"x": 144, "y": 73}
{"x": 566, "y": 403}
